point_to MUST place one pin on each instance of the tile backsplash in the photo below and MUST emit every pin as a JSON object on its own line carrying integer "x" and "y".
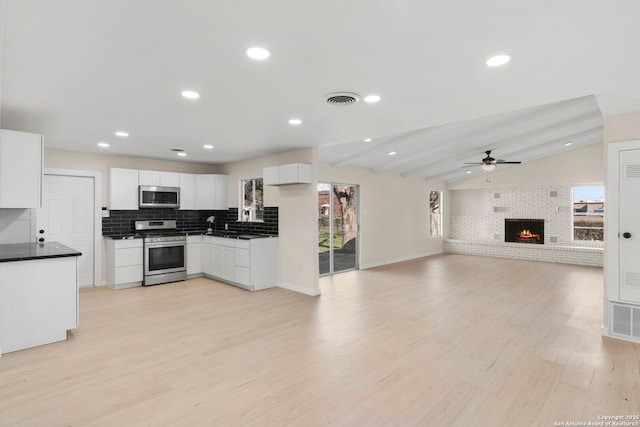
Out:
{"x": 122, "y": 222}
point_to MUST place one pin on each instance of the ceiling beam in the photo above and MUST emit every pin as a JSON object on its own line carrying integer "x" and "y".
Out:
{"x": 385, "y": 145}
{"x": 592, "y": 135}
{"x": 511, "y": 122}
{"x": 509, "y": 147}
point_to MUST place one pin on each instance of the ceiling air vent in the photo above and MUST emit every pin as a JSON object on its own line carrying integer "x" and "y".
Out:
{"x": 342, "y": 98}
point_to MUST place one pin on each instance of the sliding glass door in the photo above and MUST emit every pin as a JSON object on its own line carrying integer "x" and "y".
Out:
{"x": 337, "y": 227}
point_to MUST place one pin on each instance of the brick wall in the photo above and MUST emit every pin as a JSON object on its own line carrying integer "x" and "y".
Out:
{"x": 483, "y": 234}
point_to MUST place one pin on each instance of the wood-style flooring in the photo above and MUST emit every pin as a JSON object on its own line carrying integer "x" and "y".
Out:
{"x": 448, "y": 340}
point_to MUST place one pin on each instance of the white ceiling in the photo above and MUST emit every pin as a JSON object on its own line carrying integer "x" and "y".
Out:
{"x": 78, "y": 70}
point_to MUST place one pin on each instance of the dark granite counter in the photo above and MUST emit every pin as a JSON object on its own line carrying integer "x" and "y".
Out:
{"x": 219, "y": 233}
{"x": 121, "y": 236}
{"x": 28, "y": 251}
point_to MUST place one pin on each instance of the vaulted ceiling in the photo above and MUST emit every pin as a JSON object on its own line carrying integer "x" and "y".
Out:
{"x": 77, "y": 71}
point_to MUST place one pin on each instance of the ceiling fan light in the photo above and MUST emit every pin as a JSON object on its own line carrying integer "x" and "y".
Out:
{"x": 488, "y": 168}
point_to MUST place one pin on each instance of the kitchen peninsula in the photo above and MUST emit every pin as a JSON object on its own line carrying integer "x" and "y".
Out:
{"x": 38, "y": 294}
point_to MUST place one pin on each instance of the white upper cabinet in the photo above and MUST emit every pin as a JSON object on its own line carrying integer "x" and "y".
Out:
{"x": 204, "y": 192}
{"x": 212, "y": 192}
{"x": 187, "y": 191}
{"x": 163, "y": 179}
{"x": 20, "y": 169}
{"x": 294, "y": 173}
{"x": 123, "y": 189}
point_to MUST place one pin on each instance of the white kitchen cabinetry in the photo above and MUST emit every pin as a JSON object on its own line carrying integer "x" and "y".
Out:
{"x": 250, "y": 264}
{"x": 20, "y": 169}
{"x": 207, "y": 256}
{"x": 163, "y": 179}
{"x": 124, "y": 263}
{"x": 222, "y": 258}
{"x": 123, "y": 189}
{"x": 38, "y": 302}
{"x": 212, "y": 192}
{"x": 294, "y": 173}
{"x": 194, "y": 255}
{"x": 187, "y": 191}
{"x": 257, "y": 263}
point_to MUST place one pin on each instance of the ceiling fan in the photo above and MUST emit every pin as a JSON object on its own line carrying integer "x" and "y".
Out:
{"x": 489, "y": 163}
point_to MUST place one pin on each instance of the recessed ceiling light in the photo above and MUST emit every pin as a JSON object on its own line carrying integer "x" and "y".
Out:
{"x": 367, "y": 140}
{"x": 182, "y": 154}
{"x": 498, "y": 60}
{"x": 122, "y": 134}
{"x": 295, "y": 122}
{"x": 103, "y": 144}
{"x": 190, "y": 94}
{"x": 258, "y": 53}
{"x": 208, "y": 146}
{"x": 392, "y": 153}
{"x": 372, "y": 98}
{"x": 468, "y": 171}
{"x": 566, "y": 144}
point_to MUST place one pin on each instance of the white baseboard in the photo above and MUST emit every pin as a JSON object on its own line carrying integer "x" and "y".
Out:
{"x": 396, "y": 260}
{"x": 300, "y": 289}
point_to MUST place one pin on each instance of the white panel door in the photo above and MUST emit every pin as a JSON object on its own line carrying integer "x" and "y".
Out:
{"x": 67, "y": 216}
{"x": 629, "y": 233}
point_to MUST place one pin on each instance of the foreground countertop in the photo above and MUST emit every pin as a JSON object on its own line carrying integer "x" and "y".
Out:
{"x": 228, "y": 234}
{"x": 28, "y": 251}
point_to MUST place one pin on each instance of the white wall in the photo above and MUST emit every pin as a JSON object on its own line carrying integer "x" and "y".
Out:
{"x": 297, "y": 217}
{"x": 17, "y": 225}
{"x": 3, "y": 6}
{"x": 394, "y": 214}
{"x": 580, "y": 166}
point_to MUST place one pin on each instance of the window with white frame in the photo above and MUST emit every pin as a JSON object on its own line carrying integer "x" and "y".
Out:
{"x": 435, "y": 213}
{"x": 251, "y": 200}
{"x": 588, "y": 212}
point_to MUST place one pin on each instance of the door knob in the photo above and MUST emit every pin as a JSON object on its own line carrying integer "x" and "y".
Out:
{"x": 626, "y": 235}
{"x": 41, "y": 239}
{"x": 41, "y": 231}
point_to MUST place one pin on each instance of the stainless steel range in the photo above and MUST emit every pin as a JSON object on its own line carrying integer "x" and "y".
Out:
{"x": 164, "y": 252}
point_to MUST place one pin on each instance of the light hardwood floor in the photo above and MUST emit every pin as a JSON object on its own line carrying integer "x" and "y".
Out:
{"x": 445, "y": 340}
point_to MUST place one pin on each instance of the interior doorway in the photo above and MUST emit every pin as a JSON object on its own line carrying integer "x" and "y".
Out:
{"x": 337, "y": 227}
{"x": 71, "y": 214}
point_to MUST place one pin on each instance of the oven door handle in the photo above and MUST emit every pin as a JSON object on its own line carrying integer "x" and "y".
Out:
{"x": 165, "y": 244}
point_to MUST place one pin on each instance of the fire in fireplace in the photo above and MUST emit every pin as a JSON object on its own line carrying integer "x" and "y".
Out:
{"x": 524, "y": 230}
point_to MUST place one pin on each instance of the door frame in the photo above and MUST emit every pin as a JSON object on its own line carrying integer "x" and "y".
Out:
{"x": 97, "y": 212}
{"x": 357, "y": 254}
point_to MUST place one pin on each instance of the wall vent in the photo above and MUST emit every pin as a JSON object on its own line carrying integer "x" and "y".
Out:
{"x": 632, "y": 279}
{"x": 632, "y": 170}
{"x": 625, "y": 321}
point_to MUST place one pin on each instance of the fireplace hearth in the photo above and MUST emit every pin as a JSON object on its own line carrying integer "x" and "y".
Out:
{"x": 524, "y": 231}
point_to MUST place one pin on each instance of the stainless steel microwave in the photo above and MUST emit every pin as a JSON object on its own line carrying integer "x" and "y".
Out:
{"x": 159, "y": 197}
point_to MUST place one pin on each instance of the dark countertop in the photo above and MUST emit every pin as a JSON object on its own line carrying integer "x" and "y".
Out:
{"x": 227, "y": 234}
{"x": 27, "y": 251}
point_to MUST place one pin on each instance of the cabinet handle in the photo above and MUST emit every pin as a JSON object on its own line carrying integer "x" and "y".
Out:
{"x": 41, "y": 231}
{"x": 41, "y": 239}
{"x": 626, "y": 235}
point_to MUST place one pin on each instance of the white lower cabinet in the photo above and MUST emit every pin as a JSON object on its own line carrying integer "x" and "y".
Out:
{"x": 250, "y": 264}
{"x": 194, "y": 255}
{"x": 125, "y": 261}
{"x": 207, "y": 256}
{"x": 221, "y": 258}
